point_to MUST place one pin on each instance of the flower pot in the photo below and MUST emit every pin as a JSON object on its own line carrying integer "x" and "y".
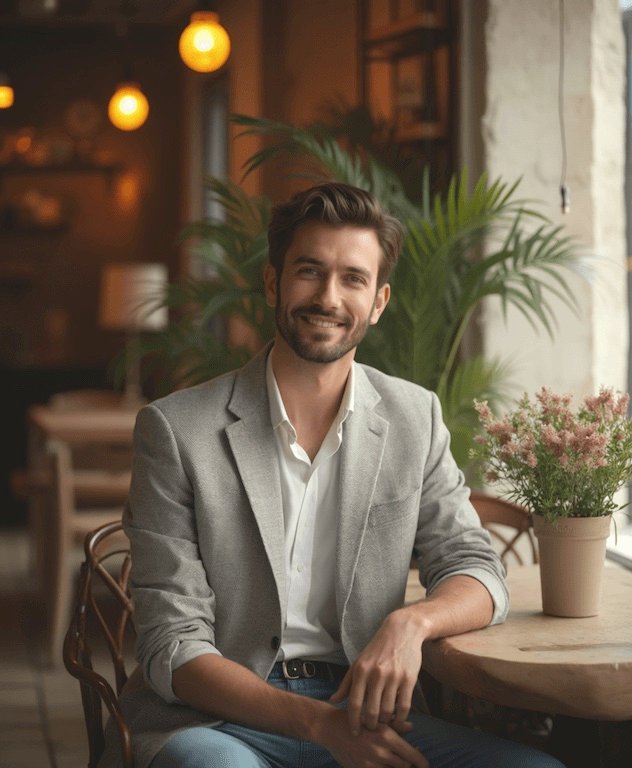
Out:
{"x": 572, "y": 555}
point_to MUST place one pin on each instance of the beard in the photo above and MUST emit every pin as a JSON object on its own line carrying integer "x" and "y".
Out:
{"x": 313, "y": 345}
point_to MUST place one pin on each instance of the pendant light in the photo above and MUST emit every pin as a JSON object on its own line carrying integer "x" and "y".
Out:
{"x": 204, "y": 45}
{"x": 6, "y": 92}
{"x": 128, "y": 108}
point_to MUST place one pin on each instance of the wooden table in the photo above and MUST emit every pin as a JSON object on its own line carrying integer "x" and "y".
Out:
{"x": 576, "y": 667}
{"x": 98, "y": 425}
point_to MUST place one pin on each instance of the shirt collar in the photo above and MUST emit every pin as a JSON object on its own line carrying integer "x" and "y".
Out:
{"x": 278, "y": 414}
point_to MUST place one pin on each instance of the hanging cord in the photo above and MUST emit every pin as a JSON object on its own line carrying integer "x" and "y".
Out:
{"x": 564, "y": 191}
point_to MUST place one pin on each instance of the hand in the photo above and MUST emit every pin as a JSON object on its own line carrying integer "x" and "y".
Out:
{"x": 379, "y": 684}
{"x": 380, "y": 748}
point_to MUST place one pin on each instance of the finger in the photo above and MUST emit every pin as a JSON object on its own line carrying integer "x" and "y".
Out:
{"x": 403, "y": 705}
{"x": 411, "y": 755}
{"x": 401, "y": 750}
{"x": 402, "y": 728}
{"x": 374, "y": 707}
{"x": 355, "y": 702}
{"x": 343, "y": 689}
{"x": 388, "y": 703}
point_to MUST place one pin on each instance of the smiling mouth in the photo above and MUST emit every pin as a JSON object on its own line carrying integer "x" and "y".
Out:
{"x": 322, "y": 322}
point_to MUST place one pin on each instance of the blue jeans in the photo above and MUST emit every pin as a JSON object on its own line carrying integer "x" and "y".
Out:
{"x": 234, "y": 746}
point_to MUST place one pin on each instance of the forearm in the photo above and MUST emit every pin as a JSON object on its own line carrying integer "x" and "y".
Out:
{"x": 458, "y": 604}
{"x": 228, "y": 691}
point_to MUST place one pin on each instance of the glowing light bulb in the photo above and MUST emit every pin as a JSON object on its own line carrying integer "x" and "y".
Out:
{"x": 128, "y": 108}
{"x": 6, "y": 92}
{"x": 6, "y": 96}
{"x": 204, "y": 45}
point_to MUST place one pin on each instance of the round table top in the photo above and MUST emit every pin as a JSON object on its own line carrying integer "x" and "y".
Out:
{"x": 579, "y": 667}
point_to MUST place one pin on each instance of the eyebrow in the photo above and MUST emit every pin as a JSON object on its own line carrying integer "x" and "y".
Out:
{"x": 363, "y": 271}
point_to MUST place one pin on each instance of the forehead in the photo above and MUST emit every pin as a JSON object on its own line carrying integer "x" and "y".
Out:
{"x": 346, "y": 245}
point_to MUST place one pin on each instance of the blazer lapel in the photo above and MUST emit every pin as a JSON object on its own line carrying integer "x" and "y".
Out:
{"x": 363, "y": 444}
{"x": 254, "y": 448}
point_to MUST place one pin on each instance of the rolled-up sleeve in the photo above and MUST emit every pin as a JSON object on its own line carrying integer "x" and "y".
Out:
{"x": 174, "y": 605}
{"x": 450, "y": 539}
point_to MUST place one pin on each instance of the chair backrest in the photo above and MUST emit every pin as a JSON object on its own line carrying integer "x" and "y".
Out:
{"x": 509, "y": 525}
{"x": 99, "y": 621}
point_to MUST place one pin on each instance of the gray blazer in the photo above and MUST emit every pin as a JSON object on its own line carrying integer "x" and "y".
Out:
{"x": 206, "y": 525}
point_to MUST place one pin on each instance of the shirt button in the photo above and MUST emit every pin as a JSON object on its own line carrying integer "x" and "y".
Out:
{"x": 275, "y": 643}
{"x": 299, "y": 568}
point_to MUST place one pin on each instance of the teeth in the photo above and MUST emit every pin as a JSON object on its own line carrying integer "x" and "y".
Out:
{"x": 321, "y": 323}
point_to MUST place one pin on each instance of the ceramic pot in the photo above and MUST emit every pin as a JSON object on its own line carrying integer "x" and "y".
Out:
{"x": 572, "y": 554}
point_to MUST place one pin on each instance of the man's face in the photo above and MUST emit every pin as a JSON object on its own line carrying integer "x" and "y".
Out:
{"x": 327, "y": 295}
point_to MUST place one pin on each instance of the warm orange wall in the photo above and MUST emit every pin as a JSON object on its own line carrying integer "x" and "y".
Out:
{"x": 290, "y": 58}
{"x": 320, "y": 56}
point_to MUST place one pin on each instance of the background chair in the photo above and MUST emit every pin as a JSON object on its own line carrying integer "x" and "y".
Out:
{"x": 509, "y": 525}
{"x": 101, "y": 472}
{"x": 67, "y": 523}
{"x": 98, "y": 630}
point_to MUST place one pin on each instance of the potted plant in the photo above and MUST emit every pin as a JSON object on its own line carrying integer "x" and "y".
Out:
{"x": 565, "y": 466}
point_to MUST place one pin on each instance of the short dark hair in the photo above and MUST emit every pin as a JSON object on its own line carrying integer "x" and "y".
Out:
{"x": 335, "y": 204}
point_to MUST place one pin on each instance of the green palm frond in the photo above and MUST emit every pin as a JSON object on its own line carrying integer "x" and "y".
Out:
{"x": 320, "y": 156}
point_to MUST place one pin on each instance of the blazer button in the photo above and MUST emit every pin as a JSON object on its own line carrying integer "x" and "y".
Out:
{"x": 275, "y": 643}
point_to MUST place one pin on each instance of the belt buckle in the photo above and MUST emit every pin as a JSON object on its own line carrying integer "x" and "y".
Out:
{"x": 292, "y": 672}
{"x": 309, "y": 669}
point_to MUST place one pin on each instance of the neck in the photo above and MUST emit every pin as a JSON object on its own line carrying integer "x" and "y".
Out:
{"x": 311, "y": 392}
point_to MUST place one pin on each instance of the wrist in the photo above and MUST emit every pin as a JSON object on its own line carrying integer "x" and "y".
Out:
{"x": 414, "y": 619}
{"x": 317, "y": 724}
{"x": 311, "y": 718}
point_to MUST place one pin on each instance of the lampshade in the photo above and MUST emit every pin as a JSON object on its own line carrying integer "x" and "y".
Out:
{"x": 131, "y": 296}
{"x": 128, "y": 107}
{"x": 6, "y": 92}
{"x": 204, "y": 45}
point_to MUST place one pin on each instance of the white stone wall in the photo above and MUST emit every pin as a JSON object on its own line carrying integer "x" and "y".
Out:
{"x": 521, "y": 138}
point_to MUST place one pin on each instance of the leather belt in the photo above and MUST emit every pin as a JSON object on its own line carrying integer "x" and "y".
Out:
{"x": 304, "y": 669}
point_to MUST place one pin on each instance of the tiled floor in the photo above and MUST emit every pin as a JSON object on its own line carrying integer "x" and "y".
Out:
{"x": 41, "y": 721}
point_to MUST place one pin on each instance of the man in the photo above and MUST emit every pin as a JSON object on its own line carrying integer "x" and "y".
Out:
{"x": 273, "y": 514}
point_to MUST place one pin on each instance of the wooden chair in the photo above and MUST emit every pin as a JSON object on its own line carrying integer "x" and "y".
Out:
{"x": 509, "y": 525}
{"x": 96, "y": 623}
{"x": 66, "y": 524}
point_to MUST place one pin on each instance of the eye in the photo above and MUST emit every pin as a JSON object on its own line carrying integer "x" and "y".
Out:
{"x": 355, "y": 279}
{"x": 308, "y": 271}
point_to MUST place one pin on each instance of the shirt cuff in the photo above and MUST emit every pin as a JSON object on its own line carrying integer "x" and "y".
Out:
{"x": 493, "y": 584}
{"x": 497, "y": 590}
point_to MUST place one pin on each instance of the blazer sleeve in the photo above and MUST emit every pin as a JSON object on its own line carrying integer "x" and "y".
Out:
{"x": 174, "y": 605}
{"x": 450, "y": 539}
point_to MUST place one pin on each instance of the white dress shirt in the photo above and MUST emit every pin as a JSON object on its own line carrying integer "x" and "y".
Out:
{"x": 310, "y": 493}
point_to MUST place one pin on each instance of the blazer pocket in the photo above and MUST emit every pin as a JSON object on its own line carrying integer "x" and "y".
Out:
{"x": 391, "y": 512}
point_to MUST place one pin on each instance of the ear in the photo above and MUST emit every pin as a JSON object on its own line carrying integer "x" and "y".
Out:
{"x": 270, "y": 285}
{"x": 379, "y": 305}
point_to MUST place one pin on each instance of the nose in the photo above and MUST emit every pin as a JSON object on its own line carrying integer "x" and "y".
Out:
{"x": 328, "y": 295}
